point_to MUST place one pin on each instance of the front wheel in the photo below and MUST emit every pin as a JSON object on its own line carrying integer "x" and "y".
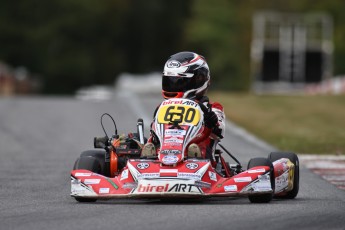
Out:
{"x": 94, "y": 161}
{"x": 262, "y": 198}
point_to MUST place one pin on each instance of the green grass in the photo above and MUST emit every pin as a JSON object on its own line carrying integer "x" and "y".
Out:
{"x": 303, "y": 124}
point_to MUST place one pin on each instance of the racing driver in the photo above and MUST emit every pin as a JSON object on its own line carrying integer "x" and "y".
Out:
{"x": 187, "y": 75}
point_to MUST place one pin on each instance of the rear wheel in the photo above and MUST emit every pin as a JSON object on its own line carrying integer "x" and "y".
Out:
{"x": 262, "y": 198}
{"x": 294, "y": 159}
{"x": 92, "y": 160}
{"x": 99, "y": 166}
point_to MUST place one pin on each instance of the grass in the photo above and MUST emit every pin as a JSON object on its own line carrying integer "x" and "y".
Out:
{"x": 303, "y": 124}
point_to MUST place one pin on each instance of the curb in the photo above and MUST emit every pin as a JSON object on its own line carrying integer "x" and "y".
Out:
{"x": 329, "y": 167}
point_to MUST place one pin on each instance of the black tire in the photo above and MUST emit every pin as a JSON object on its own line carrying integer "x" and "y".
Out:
{"x": 262, "y": 198}
{"x": 294, "y": 159}
{"x": 93, "y": 160}
{"x": 85, "y": 200}
{"x": 86, "y": 163}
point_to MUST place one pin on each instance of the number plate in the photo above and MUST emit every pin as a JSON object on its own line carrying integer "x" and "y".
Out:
{"x": 184, "y": 113}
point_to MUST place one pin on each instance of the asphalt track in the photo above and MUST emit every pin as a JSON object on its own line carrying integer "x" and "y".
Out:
{"x": 40, "y": 138}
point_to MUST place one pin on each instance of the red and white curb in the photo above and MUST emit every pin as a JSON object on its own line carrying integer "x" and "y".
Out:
{"x": 329, "y": 167}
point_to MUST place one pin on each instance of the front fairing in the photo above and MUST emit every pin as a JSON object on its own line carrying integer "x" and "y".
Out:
{"x": 149, "y": 178}
{"x": 284, "y": 171}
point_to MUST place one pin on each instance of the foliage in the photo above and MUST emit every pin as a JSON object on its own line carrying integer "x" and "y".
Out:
{"x": 211, "y": 33}
{"x": 83, "y": 42}
{"x": 223, "y": 31}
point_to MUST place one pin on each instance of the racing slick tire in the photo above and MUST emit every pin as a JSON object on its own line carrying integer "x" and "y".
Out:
{"x": 102, "y": 167}
{"x": 262, "y": 198}
{"x": 93, "y": 160}
{"x": 273, "y": 156}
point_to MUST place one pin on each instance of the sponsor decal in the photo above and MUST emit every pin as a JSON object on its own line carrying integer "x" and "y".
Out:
{"x": 184, "y": 188}
{"x": 143, "y": 165}
{"x": 173, "y": 140}
{"x": 112, "y": 183}
{"x": 282, "y": 182}
{"x": 169, "y": 145}
{"x": 81, "y": 189}
{"x": 172, "y": 102}
{"x": 192, "y": 166}
{"x": 243, "y": 179}
{"x": 256, "y": 170}
{"x": 173, "y": 64}
{"x": 178, "y": 187}
{"x": 130, "y": 185}
{"x": 104, "y": 190}
{"x": 212, "y": 175}
{"x": 202, "y": 184}
{"x": 262, "y": 186}
{"x": 263, "y": 183}
{"x": 124, "y": 174}
{"x": 148, "y": 175}
{"x": 175, "y": 132}
{"x": 191, "y": 103}
{"x": 83, "y": 174}
{"x": 153, "y": 188}
{"x": 230, "y": 188}
{"x": 180, "y": 102}
{"x": 170, "y": 151}
{"x": 168, "y": 172}
{"x": 92, "y": 181}
{"x": 189, "y": 176}
{"x": 170, "y": 159}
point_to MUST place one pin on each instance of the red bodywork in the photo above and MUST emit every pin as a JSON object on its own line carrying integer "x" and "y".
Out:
{"x": 142, "y": 178}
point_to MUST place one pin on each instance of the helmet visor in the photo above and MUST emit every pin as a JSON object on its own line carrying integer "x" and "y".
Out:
{"x": 176, "y": 84}
{"x": 182, "y": 84}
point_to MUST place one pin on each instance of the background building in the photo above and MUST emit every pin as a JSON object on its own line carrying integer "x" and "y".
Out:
{"x": 289, "y": 51}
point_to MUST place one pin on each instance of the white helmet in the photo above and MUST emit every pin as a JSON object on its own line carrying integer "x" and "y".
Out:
{"x": 185, "y": 75}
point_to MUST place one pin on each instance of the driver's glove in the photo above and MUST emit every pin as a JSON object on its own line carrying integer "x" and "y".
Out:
{"x": 218, "y": 132}
{"x": 210, "y": 119}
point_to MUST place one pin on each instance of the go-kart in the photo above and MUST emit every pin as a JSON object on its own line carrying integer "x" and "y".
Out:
{"x": 117, "y": 168}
